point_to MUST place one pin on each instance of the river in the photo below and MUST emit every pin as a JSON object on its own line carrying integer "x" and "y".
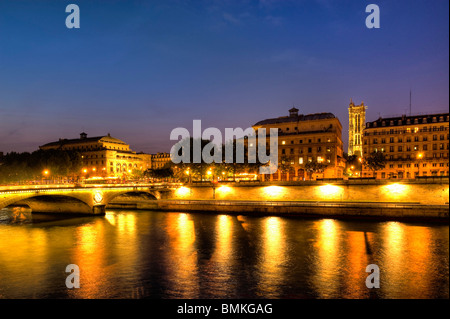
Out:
{"x": 148, "y": 254}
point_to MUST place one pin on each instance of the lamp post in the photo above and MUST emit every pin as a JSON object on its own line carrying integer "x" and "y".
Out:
{"x": 46, "y": 173}
{"x": 419, "y": 157}
{"x": 361, "y": 167}
{"x": 189, "y": 176}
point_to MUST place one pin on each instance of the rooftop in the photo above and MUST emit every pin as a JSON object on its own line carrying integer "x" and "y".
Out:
{"x": 84, "y": 139}
{"x": 296, "y": 118}
{"x": 409, "y": 120}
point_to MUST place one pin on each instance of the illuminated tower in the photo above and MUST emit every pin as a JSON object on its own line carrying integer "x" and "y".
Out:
{"x": 356, "y": 123}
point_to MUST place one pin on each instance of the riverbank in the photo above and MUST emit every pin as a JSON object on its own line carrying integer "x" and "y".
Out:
{"x": 307, "y": 209}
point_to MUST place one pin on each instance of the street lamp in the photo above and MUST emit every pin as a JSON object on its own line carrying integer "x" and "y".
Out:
{"x": 188, "y": 174}
{"x": 46, "y": 172}
{"x": 361, "y": 166}
{"x": 419, "y": 157}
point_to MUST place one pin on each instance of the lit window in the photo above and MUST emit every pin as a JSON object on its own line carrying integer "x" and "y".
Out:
{"x": 300, "y": 160}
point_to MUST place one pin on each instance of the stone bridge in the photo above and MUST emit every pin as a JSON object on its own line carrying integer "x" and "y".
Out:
{"x": 91, "y": 199}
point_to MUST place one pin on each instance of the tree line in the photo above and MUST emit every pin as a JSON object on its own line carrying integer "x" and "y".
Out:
{"x": 17, "y": 167}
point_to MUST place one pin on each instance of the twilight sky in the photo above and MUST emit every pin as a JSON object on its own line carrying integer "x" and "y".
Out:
{"x": 138, "y": 69}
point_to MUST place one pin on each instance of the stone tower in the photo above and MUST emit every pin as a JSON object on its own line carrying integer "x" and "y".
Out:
{"x": 356, "y": 124}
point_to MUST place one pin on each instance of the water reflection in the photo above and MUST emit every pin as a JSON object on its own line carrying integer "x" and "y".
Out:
{"x": 273, "y": 257}
{"x": 128, "y": 254}
{"x": 181, "y": 259}
{"x": 327, "y": 264}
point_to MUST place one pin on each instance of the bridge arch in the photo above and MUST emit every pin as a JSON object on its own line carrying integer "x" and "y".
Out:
{"x": 45, "y": 203}
{"x": 145, "y": 194}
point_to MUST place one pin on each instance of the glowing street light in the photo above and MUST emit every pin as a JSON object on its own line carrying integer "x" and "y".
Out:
{"x": 46, "y": 172}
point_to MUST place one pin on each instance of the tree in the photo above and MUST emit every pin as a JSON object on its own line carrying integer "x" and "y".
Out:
{"x": 375, "y": 161}
{"x": 19, "y": 167}
{"x": 314, "y": 167}
{"x": 353, "y": 164}
{"x": 160, "y": 173}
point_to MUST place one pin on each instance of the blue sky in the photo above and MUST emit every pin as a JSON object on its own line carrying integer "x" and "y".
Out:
{"x": 138, "y": 69}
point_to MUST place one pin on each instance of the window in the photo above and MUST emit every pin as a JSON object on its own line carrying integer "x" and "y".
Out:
{"x": 425, "y": 147}
{"x": 319, "y": 149}
{"x": 309, "y": 149}
{"x": 300, "y": 160}
{"x": 400, "y": 149}
{"x": 391, "y": 148}
{"x": 301, "y": 141}
{"x": 400, "y": 140}
{"x": 425, "y": 138}
{"x": 319, "y": 159}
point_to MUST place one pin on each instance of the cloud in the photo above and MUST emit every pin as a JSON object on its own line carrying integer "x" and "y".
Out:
{"x": 231, "y": 19}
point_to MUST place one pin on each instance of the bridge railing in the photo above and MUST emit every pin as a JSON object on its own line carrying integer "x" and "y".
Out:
{"x": 72, "y": 186}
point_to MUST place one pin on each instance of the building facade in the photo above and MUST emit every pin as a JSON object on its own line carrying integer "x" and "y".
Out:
{"x": 104, "y": 156}
{"x": 356, "y": 125}
{"x": 303, "y": 139}
{"x": 414, "y": 146}
{"x": 160, "y": 160}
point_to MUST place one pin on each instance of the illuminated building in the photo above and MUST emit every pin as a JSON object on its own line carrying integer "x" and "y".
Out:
{"x": 356, "y": 124}
{"x": 104, "y": 155}
{"x": 160, "y": 160}
{"x": 413, "y": 145}
{"x": 306, "y": 138}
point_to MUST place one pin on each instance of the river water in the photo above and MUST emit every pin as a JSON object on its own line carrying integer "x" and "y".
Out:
{"x": 148, "y": 254}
